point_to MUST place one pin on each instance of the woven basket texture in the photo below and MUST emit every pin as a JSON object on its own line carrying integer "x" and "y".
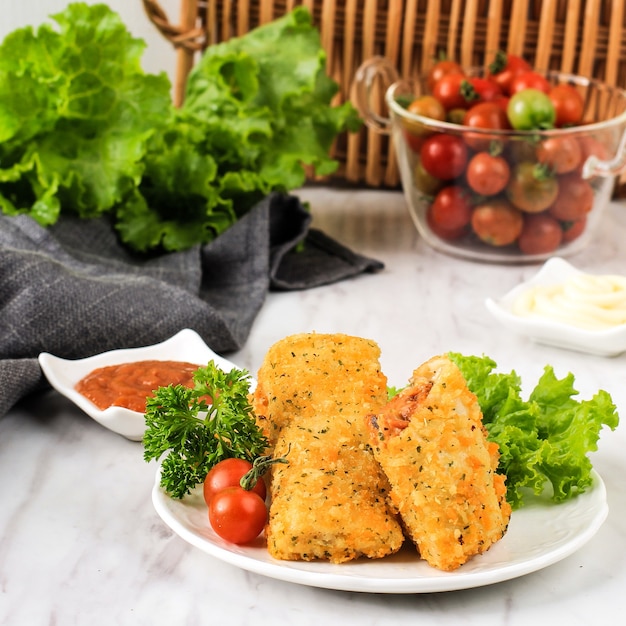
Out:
{"x": 585, "y": 37}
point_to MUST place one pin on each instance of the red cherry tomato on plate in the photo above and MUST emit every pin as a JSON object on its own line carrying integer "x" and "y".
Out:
{"x": 236, "y": 515}
{"x": 444, "y": 156}
{"x": 228, "y": 473}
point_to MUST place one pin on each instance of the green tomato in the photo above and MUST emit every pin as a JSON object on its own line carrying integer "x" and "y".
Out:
{"x": 531, "y": 109}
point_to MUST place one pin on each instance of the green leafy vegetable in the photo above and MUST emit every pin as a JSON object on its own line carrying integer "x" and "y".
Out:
{"x": 76, "y": 111}
{"x": 84, "y": 130}
{"x": 545, "y": 438}
{"x": 195, "y": 435}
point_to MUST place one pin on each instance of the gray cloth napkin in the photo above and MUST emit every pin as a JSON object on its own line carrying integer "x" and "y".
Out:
{"x": 74, "y": 291}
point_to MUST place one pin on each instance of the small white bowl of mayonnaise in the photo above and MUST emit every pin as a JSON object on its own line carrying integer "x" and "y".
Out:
{"x": 565, "y": 307}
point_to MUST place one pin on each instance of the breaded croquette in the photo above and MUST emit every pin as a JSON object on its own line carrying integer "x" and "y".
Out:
{"x": 330, "y": 500}
{"x": 432, "y": 446}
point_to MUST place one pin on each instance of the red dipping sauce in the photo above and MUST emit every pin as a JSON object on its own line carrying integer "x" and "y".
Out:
{"x": 129, "y": 384}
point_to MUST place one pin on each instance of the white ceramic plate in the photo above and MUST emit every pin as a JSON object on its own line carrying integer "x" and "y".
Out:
{"x": 539, "y": 535}
{"x": 610, "y": 342}
{"x": 63, "y": 374}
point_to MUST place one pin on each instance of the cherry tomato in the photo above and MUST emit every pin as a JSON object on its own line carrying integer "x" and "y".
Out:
{"x": 505, "y": 68}
{"x": 573, "y": 230}
{"x": 541, "y": 234}
{"x": 440, "y": 69}
{"x": 477, "y": 89}
{"x": 452, "y": 209}
{"x": 530, "y": 188}
{"x": 568, "y": 105}
{"x": 425, "y": 182}
{"x": 237, "y": 515}
{"x": 531, "y": 109}
{"x": 228, "y": 473}
{"x": 485, "y": 115}
{"x": 502, "y": 101}
{"x": 497, "y": 222}
{"x": 561, "y": 154}
{"x": 529, "y": 80}
{"x": 444, "y": 156}
{"x": 448, "y": 234}
{"x": 575, "y": 199}
{"x": 426, "y": 106}
{"x": 487, "y": 174}
{"x": 455, "y": 116}
{"x": 448, "y": 91}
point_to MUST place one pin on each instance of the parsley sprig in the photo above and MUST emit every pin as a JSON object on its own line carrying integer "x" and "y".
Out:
{"x": 198, "y": 427}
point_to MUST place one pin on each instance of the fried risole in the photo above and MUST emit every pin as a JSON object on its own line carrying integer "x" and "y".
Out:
{"x": 432, "y": 446}
{"x": 330, "y": 500}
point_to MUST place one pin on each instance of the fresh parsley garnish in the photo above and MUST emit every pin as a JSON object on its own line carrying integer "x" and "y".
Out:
{"x": 198, "y": 427}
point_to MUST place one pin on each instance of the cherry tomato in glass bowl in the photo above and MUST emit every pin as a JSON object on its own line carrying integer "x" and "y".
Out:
{"x": 424, "y": 182}
{"x": 573, "y": 230}
{"x": 531, "y": 109}
{"x": 497, "y": 222}
{"x": 448, "y": 90}
{"x": 444, "y": 156}
{"x": 541, "y": 234}
{"x": 560, "y": 154}
{"x": 451, "y": 209}
{"x": 426, "y": 106}
{"x": 477, "y": 89}
{"x": 575, "y": 199}
{"x": 529, "y": 80}
{"x": 485, "y": 116}
{"x": 531, "y": 188}
{"x": 237, "y": 515}
{"x": 487, "y": 174}
{"x": 228, "y": 473}
{"x": 505, "y": 68}
{"x": 568, "y": 105}
{"x": 442, "y": 68}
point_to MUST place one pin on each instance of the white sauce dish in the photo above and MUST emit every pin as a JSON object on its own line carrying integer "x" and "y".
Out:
{"x": 565, "y": 307}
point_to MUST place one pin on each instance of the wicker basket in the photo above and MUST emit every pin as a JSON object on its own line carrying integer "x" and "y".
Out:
{"x": 586, "y": 37}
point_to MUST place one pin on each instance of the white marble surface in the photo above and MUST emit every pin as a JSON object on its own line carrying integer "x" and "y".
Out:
{"x": 80, "y": 542}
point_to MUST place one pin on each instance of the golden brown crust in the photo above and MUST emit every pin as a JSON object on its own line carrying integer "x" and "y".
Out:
{"x": 431, "y": 444}
{"x": 330, "y": 500}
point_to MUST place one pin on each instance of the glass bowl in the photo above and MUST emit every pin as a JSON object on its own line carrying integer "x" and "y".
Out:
{"x": 555, "y": 223}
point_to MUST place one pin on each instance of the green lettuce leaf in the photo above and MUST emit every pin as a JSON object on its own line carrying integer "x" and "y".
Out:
{"x": 76, "y": 113}
{"x": 258, "y": 109}
{"x": 83, "y": 129}
{"x": 544, "y": 440}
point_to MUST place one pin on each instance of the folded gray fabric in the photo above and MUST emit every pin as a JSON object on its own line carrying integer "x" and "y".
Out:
{"x": 73, "y": 290}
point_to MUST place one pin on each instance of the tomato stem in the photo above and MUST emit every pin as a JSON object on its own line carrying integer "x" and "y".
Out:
{"x": 260, "y": 465}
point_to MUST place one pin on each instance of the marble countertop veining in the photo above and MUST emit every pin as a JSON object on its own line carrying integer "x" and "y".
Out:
{"x": 81, "y": 544}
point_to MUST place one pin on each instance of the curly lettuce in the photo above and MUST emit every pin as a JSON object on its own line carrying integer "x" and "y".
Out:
{"x": 545, "y": 439}
{"x": 83, "y": 129}
{"x": 76, "y": 113}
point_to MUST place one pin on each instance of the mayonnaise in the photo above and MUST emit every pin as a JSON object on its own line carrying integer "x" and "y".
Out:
{"x": 582, "y": 300}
